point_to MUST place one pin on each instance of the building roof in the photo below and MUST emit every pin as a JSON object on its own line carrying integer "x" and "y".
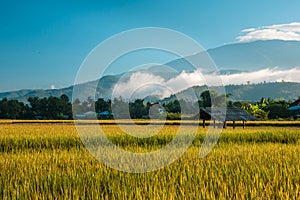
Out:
{"x": 106, "y": 113}
{"x": 295, "y": 105}
{"x": 90, "y": 113}
{"x": 226, "y": 114}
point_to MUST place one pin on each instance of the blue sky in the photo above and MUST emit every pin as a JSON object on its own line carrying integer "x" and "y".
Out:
{"x": 43, "y": 43}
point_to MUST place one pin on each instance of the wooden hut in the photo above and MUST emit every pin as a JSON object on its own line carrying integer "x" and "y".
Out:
{"x": 225, "y": 114}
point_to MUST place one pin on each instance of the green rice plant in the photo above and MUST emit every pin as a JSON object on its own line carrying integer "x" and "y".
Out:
{"x": 48, "y": 161}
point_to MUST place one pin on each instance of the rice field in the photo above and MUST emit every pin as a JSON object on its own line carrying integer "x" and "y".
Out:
{"x": 49, "y": 161}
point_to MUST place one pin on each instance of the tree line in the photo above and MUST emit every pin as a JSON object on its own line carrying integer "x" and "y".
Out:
{"x": 37, "y": 108}
{"x": 61, "y": 108}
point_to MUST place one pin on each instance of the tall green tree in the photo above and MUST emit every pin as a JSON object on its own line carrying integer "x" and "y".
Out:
{"x": 137, "y": 109}
{"x": 102, "y": 105}
{"x": 120, "y": 108}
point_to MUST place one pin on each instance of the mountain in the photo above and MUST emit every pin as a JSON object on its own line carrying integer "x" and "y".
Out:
{"x": 246, "y": 56}
{"x": 254, "y": 92}
{"x": 250, "y": 92}
{"x": 230, "y": 59}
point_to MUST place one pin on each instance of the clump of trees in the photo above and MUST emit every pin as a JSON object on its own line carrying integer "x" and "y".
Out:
{"x": 50, "y": 108}
{"x": 267, "y": 108}
{"x": 13, "y": 109}
{"x": 41, "y": 108}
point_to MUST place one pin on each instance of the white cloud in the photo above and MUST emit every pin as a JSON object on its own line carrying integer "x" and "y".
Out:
{"x": 248, "y": 30}
{"x": 289, "y": 31}
{"x": 140, "y": 85}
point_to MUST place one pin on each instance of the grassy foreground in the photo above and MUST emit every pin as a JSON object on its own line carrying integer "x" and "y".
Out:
{"x": 48, "y": 161}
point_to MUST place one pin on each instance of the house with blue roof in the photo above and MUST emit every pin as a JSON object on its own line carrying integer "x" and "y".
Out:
{"x": 295, "y": 108}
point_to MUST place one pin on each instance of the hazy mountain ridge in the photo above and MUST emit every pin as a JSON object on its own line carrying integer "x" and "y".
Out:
{"x": 247, "y": 56}
{"x": 231, "y": 59}
{"x": 245, "y": 92}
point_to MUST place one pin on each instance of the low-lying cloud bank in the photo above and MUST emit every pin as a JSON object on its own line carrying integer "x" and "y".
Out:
{"x": 268, "y": 75}
{"x": 141, "y": 84}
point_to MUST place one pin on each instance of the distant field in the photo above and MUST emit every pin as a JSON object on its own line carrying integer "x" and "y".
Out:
{"x": 48, "y": 161}
{"x": 141, "y": 121}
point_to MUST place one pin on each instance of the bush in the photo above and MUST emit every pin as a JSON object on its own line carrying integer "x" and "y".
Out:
{"x": 173, "y": 116}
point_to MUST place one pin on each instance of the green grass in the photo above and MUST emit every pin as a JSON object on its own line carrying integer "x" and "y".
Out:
{"x": 43, "y": 161}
